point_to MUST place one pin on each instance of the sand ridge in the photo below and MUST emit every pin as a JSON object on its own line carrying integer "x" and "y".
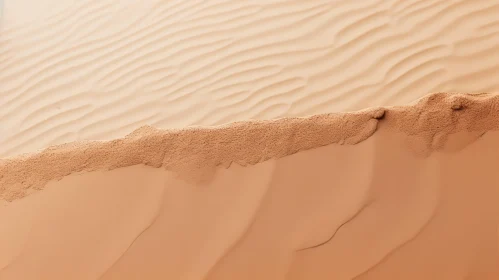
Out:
{"x": 196, "y": 152}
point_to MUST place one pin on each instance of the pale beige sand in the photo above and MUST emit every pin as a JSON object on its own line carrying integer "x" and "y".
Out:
{"x": 411, "y": 194}
{"x": 78, "y": 70}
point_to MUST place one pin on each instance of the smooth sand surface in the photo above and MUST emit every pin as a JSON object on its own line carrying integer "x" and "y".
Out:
{"x": 79, "y": 70}
{"x": 414, "y": 196}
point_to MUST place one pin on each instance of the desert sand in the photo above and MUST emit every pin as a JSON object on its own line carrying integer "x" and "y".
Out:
{"x": 97, "y": 70}
{"x": 249, "y": 140}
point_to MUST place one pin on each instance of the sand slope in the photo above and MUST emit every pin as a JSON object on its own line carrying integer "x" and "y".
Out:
{"x": 370, "y": 211}
{"x": 75, "y": 70}
{"x": 415, "y": 196}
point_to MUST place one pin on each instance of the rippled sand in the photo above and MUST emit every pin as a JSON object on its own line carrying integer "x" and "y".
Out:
{"x": 78, "y": 70}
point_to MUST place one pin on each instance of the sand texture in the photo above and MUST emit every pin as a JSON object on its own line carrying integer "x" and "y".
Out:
{"x": 397, "y": 193}
{"x": 251, "y": 139}
{"x": 97, "y": 70}
{"x": 195, "y": 152}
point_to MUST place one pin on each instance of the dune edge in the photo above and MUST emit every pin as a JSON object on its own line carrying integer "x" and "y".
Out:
{"x": 195, "y": 152}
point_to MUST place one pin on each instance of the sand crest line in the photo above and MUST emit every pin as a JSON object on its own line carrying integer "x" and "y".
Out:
{"x": 195, "y": 152}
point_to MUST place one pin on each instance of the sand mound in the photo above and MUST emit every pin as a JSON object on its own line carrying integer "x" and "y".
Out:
{"x": 418, "y": 199}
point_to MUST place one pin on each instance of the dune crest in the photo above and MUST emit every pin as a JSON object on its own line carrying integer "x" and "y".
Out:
{"x": 194, "y": 153}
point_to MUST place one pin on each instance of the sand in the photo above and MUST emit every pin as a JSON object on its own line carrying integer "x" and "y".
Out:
{"x": 249, "y": 140}
{"x": 98, "y": 70}
{"x": 411, "y": 193}
{"x": 195, "y": 152}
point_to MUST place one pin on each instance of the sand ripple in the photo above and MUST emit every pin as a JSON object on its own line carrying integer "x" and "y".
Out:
{"x": 97, "y": 70}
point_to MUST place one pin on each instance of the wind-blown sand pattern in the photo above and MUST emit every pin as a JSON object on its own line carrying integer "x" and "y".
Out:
{"x": 411, "y": 194}
{"x": 97, "y": 70}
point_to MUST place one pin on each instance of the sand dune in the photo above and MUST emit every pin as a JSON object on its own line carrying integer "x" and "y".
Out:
{"x": 276, "y": 139}
{"x": 414, "y": 198}
{"x": 97, "y": 70}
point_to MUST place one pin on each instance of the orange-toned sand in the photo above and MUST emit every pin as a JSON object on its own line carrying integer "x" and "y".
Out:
{"x": 303, "y": 191}
{"x": 411, "y": 194}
